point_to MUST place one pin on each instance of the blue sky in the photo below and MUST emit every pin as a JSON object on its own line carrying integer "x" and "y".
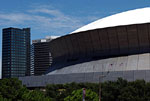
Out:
{"x": 59, "y": 17}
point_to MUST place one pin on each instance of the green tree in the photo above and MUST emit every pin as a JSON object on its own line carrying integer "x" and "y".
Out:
{"x": 52, "y": 91}
{"x": 134, "y": 91}
{"x": 4, "y": 99}
{"x": 35, "y": 95}
{"x": 11, "y": 88}
{"x": 76, "y": 95}
{"x": 110, "y": 91}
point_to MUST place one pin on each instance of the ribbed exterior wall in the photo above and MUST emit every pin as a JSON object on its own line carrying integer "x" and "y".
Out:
{"x": 113, "y": 41}
{"x": 100, "y": 43}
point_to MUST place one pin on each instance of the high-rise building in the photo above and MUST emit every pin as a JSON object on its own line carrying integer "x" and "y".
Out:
{"x": 41, "y": 58}
{"x": 15, "y": 52}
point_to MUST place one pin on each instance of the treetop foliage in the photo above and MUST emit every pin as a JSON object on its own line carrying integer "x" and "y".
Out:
{"x": 120, "y": 90}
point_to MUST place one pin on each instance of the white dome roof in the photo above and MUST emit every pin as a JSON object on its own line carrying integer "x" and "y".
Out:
{"x": 136, "y": 16}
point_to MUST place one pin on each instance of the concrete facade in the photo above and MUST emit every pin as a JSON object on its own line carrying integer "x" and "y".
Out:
{"x": 93, "y": 77}
{"x": 102, "y": 44}
{"x": 122, "y": 63}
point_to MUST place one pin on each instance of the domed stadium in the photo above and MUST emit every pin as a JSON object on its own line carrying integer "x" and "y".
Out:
{"x": 114, "y": 46}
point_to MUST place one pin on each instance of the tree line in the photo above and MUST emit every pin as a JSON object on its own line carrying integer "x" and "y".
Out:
{"x": 120, "y": 90}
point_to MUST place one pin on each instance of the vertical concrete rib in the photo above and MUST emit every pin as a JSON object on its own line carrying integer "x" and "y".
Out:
{"x": 113, "y": 41}
{"x": 128, "y": 48}
{"x": 88, "y": 44}
{"x": 72, "y": 47}
{"x": 92, "y": 42}
{"x": 148, "y": 27}
{"x": 59, "y": 47}
{"x": 133, "y": 39}
{"x": 83, "y": 44}
{"x": 148, "y": 30}
{"x": 143, "y": 38}
{"x": 69, "y": 47}
{"x": 65, "y": 48}
{"x": 118, "y": 40}
{"x": 95, "y": 43}
{"x": 99, "y": 43}
{"x": 82, "y": 47}
{"x": 75, "y": 44}
{"x": 79, "y": 43}
{"x": 132, "y": 62}
{"x": 105, "y": 42}
{"x": 138, "y": 42}
{"x": 123, "y": 40}
{"x": 121, "y": 63}
{"x": 111, "y": 64}
{"x": 138, "y": 47}
{"x": 143, "y": 63}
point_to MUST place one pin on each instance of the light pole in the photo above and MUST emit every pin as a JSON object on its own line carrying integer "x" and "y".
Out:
{"x": 84, "y": 92}
{"x": 100, "y": 78}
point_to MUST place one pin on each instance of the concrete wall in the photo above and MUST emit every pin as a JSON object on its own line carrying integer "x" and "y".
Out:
{"x": 122, "y": 63}
{"x": 93, "y": 77}
{"x": 101, "y": 43}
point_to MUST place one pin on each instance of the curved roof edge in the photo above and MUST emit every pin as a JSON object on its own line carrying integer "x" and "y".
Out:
{"x": 137, "y": 16}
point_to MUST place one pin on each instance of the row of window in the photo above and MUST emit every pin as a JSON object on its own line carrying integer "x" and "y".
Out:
{"x": 13, "y": 75}
{"x": 17, "y": 59}
{"x": 16, "y": 55}
{"x": 14, "y": 60}
{"x": 14, "y": 68}
{"x": 9, "y": 40}
{"x": 18, "y": 51}
{"x": 7, "y": 47}
{"x": 19, "y": 69}
{"x": 14, "y": 51}
{"x": 18, "y": 64}
{"x": 16, "y": 41}
{"x": 22, "y": 63}
{"x": 18, "y": 72}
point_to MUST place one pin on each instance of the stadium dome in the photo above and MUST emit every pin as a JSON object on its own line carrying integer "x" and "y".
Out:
{"x": 136, "y": 16}
{"x": 116, "y": 43}
{"x": 115, "y": 46}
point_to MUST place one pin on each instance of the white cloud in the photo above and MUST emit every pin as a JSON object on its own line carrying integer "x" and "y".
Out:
{"x": 46, "y": 19}
{"x": 13, "y": 18}
{"x": 56, "y": 19}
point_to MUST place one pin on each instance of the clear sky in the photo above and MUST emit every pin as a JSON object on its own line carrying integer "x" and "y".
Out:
{"x": 59, "y": 17}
